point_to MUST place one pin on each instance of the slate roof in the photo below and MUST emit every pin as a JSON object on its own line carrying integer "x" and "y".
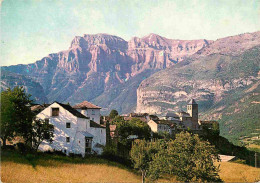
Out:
{"x": 72, "y": 111}
{"x": 86, "y": 134}
{"x": 86, "y": 105}
{"x": 165, "y": 122}
{"x": 95, "y": 125}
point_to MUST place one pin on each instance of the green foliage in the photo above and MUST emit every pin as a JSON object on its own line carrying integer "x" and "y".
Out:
{"x": 133, "y": 127}
{"x": 16, "y": 115}
{"x": 117, "y": 120}
{"x": 187, "y": 157}
{"x": 41, "y": 130}
{"x": 142, "y": 154}
{"x": 126, "y": 129}
{"x": 113, "y": 114}
{"x": 191, "y": 159}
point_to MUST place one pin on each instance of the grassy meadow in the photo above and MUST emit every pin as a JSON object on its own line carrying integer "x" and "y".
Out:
{"x": 56, "y": 168}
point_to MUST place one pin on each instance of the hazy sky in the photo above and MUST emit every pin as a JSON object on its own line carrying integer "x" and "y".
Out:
{"x": 31, "y": 29}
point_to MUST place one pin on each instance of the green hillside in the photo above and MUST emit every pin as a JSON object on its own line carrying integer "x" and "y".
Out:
{"x": 226, "y": 88}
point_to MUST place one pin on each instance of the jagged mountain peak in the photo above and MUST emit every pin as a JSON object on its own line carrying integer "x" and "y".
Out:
{"x": 88, "y": 40}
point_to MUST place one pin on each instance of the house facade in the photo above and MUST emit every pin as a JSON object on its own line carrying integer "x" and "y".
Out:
{"x": 73, "y": 131}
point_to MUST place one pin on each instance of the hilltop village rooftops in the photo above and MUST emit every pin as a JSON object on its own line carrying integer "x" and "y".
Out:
{"x": 86, "y": 105}
{"x": 165, "y": 122}
{"x": 128, "y": 118}
{"x": 176, "y": 115}
{"x": 171, "y": 114}
{"x": 39, "y": 107}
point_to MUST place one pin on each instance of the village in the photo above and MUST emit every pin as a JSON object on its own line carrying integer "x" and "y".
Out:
{"x": 80, "y": 129}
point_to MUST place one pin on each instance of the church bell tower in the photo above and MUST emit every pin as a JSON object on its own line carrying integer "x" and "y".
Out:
{"x": 192, "y": 109}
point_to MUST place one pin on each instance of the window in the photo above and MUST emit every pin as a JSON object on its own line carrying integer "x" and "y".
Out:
{"x": 92, "y": 119}
{"x": 68, "y": 125}
{"x": 67, "y": 139}
{"x": 55, "y": 112}
{"x": 93, "y": 112}
{"x": 47, "y": 120}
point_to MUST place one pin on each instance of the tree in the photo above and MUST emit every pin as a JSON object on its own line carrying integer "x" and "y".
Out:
{"x": 16, "y": 115}
{"x": 191, "y": 159}
{"x": 140, "y": 128}
{"x": 113, "y": 114}
{"x": 142, "y": 154}
{"x": 41, "y": 130}
{"x": 187, "y": 157}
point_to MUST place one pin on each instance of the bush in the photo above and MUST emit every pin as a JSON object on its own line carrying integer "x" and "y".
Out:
{"x": 22, "y": 148}
{"x": 8, "y": 147}
{"x": 73, "y": 155}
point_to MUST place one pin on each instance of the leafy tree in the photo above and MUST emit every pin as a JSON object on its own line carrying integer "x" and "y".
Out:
{"x": 191, "y": 159}
{"x": 187, "y": 157}
{"x": 133, "y": 127}
{"x": 41, "y": 130}
{"x": 117, "y": 120}
{"x": 16, "y": 115}
{"x": 140, "y": 128}
{"x": 113, "y": 114}
{"x": 142, "y": 154}
{"x": 124, "y": 129}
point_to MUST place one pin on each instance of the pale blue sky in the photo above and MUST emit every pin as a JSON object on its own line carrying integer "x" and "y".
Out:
{"x": 31, "y": 29}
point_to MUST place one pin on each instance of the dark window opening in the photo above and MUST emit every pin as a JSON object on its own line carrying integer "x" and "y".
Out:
{"x": 55, "y": 111}
{"x": 67, "y": 139}
{"x": 67, "y": 125}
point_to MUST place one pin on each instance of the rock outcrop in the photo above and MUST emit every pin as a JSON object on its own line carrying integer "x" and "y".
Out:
{"x": 102, "y": 65}
{"x": 223, "y": 78}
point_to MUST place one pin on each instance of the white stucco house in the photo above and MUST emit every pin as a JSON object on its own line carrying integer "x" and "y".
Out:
{"x": 73, "y": 131}
{"x": 90, "y": 110}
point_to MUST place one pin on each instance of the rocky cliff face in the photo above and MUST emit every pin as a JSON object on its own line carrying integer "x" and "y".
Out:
{"x": 11, "y": 80}
{"x": 223, "y": 78}
{"x": 100, "y": 65}
{"x": 224, "y": 65}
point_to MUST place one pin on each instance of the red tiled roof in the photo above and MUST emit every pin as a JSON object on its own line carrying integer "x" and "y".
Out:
{"x": 86, "y": 105}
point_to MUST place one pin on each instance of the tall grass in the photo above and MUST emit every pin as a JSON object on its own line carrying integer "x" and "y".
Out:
{"x": 55, "y": 168}
{"x": 234, "y": 172}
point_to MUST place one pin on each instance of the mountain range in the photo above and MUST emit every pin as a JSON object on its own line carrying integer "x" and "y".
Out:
{"x": 223, "y": 78}
{"x": 151, "y": 74}
{"x": 102, "y": 68}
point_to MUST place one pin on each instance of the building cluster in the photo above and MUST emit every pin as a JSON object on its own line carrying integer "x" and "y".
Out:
{"x": 171, "y": 122}
{"x": 79, "y": 130}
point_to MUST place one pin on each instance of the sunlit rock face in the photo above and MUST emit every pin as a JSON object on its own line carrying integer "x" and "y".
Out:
{"x": 105, "y": 68}
{"x": 226, "y": 66}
